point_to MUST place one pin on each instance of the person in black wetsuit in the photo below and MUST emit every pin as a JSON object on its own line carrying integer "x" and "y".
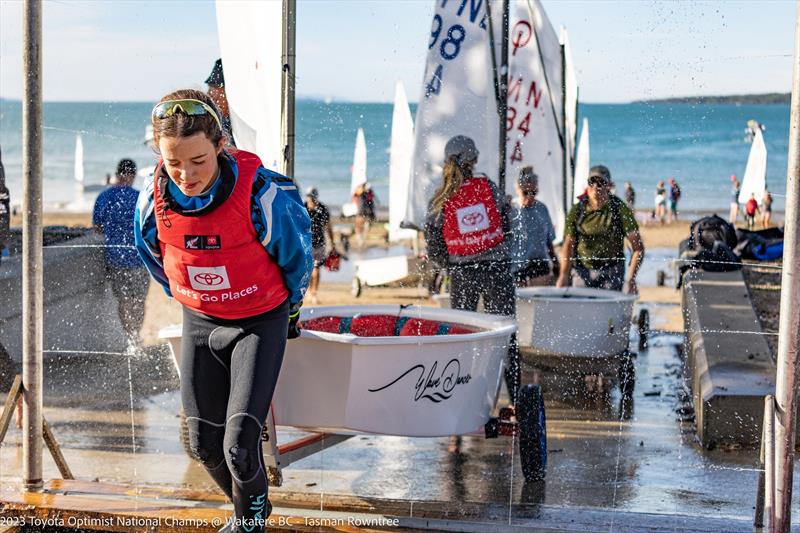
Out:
{"x": 230, "y": 240}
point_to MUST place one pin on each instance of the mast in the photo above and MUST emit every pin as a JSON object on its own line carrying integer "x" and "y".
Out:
{"x": 500, "y": 75}
{"x": 566, "y": 196}
{"x": 288, "y": 87}
{"x": 501, "y": 176}
{"x": 788, "y": 362}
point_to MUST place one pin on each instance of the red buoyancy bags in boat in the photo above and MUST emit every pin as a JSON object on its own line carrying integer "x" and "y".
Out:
{"x": 326, "y": 324}
{"x": 384, "y": 326}
{"x": 373, "y": 325}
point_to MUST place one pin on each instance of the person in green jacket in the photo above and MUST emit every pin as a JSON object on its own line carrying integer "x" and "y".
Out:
{"x": 593, "y": 252}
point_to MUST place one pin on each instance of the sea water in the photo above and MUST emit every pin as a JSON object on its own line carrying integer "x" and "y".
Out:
{"x": 699, "y": 145}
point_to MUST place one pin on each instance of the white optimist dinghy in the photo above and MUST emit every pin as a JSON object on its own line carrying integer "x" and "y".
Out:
{"x": 396, "y": 370}
{"x": 576, "y": 330}
{"x": 388, "y": 369}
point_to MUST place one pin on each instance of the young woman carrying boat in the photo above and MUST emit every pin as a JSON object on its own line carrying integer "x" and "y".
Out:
{"x": 467, "y": 231}
{"x": 231, "y": 242}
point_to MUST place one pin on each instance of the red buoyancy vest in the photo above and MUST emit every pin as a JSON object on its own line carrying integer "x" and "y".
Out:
{"x": 751, "y": 207}
{"x": 215, "y": 263}
{"x": 472, "y": 221}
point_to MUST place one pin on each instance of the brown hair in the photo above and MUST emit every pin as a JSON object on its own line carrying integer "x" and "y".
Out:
{"x": 453, "y": 176}
{"x": 182, "y": 125}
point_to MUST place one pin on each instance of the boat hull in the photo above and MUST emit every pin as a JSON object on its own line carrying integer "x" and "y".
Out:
{"x": 570, "y": 321}
{"x": 420, "y": 386}
{"x": 574, "y": 321}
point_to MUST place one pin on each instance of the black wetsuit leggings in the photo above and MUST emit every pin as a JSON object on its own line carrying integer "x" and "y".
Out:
{"x": 492, "y": 280}
{"x": 228, "y": 373}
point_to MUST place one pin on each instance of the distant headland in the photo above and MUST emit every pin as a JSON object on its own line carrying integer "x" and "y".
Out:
{"x": 769, "y": 98}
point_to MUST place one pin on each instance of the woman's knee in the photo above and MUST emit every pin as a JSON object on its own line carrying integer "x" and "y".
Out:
{"x": 241, "y": 445}
{"x": 205, "y": 441}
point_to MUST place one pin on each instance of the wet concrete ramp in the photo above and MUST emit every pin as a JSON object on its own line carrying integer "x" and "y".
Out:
{"x": 91, "y": 506}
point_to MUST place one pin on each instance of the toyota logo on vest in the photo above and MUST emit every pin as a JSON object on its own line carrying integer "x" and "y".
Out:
{"x": 213, "y": 278}
{"x": 209, "y": 279}
{"x": 472, "y": 219}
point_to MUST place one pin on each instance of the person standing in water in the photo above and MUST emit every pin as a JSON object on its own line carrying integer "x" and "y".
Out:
{"x": 630, "y": 195}
{"x": 766, "y": 209}
{"x": 594, "y": 239}
{"x": 734, "y": 200}
{"x": 229, "y": 240}
{"x": 467, "y": 231}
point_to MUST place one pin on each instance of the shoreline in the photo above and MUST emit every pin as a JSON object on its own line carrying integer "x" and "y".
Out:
{"x": 83, "y": 218}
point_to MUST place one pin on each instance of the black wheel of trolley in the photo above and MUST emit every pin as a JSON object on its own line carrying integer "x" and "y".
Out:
{"x": 355, "y": 287}
{"x": 185, "y": 437}
{"x": 644, "y": 328}
{"x": 532, "y": 433}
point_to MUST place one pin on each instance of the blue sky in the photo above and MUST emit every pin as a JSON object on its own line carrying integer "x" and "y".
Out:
{"x": 355, "y": 50}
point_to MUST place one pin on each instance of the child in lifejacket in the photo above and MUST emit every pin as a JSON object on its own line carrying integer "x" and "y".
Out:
{"x": 466, "y": 231}
{"x": 751, "y": 211}
{"x": 230, "y": 240}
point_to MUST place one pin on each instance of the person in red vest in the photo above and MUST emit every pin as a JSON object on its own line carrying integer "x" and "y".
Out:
{"x": 751, "y": 211}
{"x": 467, "y": 231}
{"x": 229, "y": 240}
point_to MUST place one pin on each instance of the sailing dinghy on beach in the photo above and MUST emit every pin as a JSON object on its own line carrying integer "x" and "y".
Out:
{"x": 393, "y": 268}
{"x": 358, "y": 174}
{"x": 755, "y": 173}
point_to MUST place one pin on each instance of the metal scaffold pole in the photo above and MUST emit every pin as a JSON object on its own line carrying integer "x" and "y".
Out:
{"x": 32, "y": 264}
{"x": 789, "y": 330}
{"x": 288, "y": 86}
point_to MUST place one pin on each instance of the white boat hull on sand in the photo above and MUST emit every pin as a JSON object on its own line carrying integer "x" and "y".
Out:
{"x": 407, "y": 386}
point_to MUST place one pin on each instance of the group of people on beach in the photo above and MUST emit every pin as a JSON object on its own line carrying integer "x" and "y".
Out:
{"x": 753, "y": 209}
{"x": 239, "y": 249}
{"x": 666, "y": 201}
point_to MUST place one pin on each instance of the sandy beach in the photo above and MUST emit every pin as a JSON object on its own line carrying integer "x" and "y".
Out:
{"x": 162, "y": 311}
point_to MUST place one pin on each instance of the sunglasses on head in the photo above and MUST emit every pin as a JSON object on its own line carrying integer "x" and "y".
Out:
{"x": 188, "y": 107}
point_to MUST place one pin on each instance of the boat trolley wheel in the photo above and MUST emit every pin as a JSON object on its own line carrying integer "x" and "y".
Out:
{"x": 627, "y": 375}
{"x": 532, "y": 433}
{"x": 644, "y": 328}
{"x": 355, "y": 287}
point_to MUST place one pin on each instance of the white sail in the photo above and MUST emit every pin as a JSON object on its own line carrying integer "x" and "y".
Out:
{"x": 359, "y": 174}
{"x": 250, "y": 42}
{"x": 570, "y": 107}
{"x": 582, "y": 162}
{"x": 401, "y": 152}
{"x": 755, "y": 173}
{"x": 457, "y": 98}
{"x": 79, "y": 174}
{"x": 535, "y": 123}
